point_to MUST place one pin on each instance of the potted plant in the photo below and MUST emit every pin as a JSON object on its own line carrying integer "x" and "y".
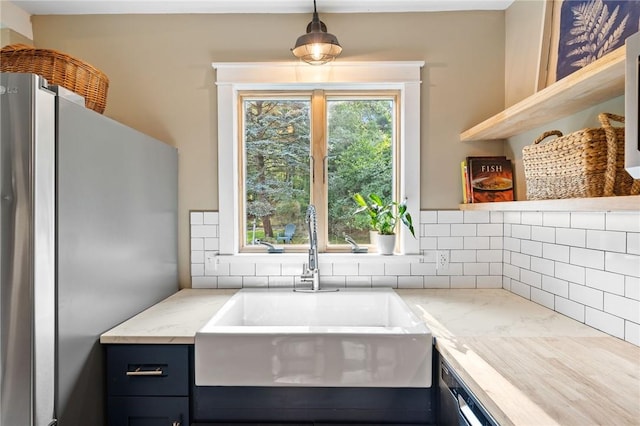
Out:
{"x": 384, "y": 217}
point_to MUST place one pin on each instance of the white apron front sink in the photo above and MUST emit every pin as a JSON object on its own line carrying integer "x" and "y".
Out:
{"x": 349, "y": 338}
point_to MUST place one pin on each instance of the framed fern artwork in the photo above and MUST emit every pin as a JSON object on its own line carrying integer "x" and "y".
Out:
{"x": 582, "y": 31}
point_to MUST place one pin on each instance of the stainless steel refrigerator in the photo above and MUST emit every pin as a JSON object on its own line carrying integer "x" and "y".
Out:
{"x": 88, "y": 239}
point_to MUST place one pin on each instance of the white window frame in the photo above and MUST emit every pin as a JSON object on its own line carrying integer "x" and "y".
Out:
{"x": 233, "y": 77}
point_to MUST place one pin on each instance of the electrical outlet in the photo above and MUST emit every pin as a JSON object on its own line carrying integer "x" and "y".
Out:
{"x": 442, "y": 260}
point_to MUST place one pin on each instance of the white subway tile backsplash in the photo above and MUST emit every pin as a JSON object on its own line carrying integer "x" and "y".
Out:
{"x": 607, "y": 240}
{"x": 436, "y": 282}
{"x": 521, "y": 260}
{"x": 197, "y": 244}
{"x": 623, "y": 221}
{"x": 279, "y": 281}
{"x": 588, "y": 220}
{"x": 368, "y": 268}
{"x": 384, "y": 281}
{"x": 204, "y": 231}
{"x": 512, "y": 244}
{"x": 495, "y": 269}
{"x": 477, "y": 216}
{"x": 204, "y": 282}
{"x": 533, "y": 248}
{"x": 463, "y": 255}
{"x": 632, "y": 288}
{"x": 428, "y": 216}
{"x": 512, "y": 217}
{"x": 487, "y": 256}
{"x": 569, "y": 308}
{"x": 255, "y": 282}
{"x": 622, "y": 307}
{"x": 451, "y": 243}
{"x": 556, "y": 286}
{"x": 211, "y": 218}
{"x": 571, "y": 237}
{"x": 572, "y": 273}
{"x": 428, "y": 243}
{"x": 477, "y": 243}
{"x": 521, "y": 231}
{"x": 608, "y": 323}
{"x": 555, "y": 252}
{"x": 586, "y": 257}
{"x": 531, "y": 218}
{"x": 242, "y": 269}
{"x": 605, "y": 281}
{"x": 556, "y": 219}
{"x": 358, "y": 282}
{"x": 490, "y": 230}
{"x": 632, "y": 332}
{"x": 496, "y": 243}
{"x": 627, "y": 264}
{"x": 586, "y": 296}
{"x": 520, "y": 289}
{"x": 543, "y": 266}
{"x": 197, "y": 256}
{"x": 410, "y": 282}
{"x": 475, "y": 268}
{"x": 397, "y": 269}
{"x": 437, "y": 230}
{"x": 633, "y": 242}
{"x": 212, "y": 244}
{"x": 423, "y": 269}
{"x": 463, "y": 282}
{"x": 497, "y": 217}
{"x": 543, "y": 233}
{"x": 531, "y": 278}
{"x": 543, "y": 298}
{"x": 464, "y": 230}
{"x": 196, "y": 218}
{"x": 450, "y": 216}
{"x": 489, "y": 281}
{"x": 348, "y": 269}
{"x": 268, "y": 269}
{"x": 511, "y": 271}
{"x": 584, "y": 265}
{"x": 197, "y": 269}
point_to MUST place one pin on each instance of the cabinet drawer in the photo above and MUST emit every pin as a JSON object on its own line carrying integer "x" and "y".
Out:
{"x": 148, "y": 411}
{"x": 161, "y": 370}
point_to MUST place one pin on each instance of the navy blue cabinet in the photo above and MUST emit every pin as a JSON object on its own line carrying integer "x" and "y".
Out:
{"x": 148, "y": 385}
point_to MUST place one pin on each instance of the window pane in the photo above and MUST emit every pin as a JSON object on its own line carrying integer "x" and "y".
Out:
{"x": 276, "y": 144}
{"x": 360, "y": 144}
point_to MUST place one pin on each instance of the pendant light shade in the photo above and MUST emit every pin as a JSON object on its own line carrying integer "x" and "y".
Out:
{"x": 317, "y": 46}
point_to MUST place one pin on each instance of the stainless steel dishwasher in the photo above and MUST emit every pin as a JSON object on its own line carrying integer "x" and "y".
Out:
{"x": 457, "y": 405}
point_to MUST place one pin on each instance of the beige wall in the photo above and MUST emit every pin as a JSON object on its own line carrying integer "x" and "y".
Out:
{"x": 162, "y": 82}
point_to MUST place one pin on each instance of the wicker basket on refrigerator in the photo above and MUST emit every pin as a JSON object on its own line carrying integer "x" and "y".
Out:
{"x": 59, "y": 69}
{"x": 586, "y": 163}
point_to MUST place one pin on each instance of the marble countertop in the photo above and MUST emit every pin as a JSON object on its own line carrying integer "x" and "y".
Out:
{"x": 527, "y": 364}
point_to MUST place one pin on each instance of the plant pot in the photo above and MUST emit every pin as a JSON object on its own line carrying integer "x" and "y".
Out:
{"x": 386, "y": 244}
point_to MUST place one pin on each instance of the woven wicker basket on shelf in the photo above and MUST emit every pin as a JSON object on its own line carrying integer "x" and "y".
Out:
{"x": 586, "y": 163}
{"x": 59, "y": 69}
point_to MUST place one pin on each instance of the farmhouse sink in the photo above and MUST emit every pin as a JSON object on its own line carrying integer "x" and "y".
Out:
{"x": 348, "y": 338}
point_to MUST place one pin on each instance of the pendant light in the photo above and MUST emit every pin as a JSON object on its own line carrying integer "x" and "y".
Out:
{"x": 317, "y": 46}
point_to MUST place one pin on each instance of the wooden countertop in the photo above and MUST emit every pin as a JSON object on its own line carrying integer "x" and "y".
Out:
{"x": 526, "y": 364}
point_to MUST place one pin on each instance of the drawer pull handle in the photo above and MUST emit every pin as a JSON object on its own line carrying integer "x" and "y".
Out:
{"x": 139, "y": 372}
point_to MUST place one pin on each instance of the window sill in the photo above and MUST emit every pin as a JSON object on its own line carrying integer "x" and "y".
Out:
{"x": 298, "y": 258}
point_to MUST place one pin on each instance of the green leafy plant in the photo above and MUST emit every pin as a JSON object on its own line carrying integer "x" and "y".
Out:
{"x": 384, "y": 215}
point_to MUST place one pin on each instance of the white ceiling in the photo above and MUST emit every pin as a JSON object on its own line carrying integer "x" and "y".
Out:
{"x": 81, "y": 7}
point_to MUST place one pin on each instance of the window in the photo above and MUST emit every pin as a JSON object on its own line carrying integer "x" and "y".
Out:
{"x": 315, "y": 148}
{"x": 320, "y": 99}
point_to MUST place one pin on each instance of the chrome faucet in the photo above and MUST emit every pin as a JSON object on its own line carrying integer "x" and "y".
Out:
{"x": 310, "y": 273}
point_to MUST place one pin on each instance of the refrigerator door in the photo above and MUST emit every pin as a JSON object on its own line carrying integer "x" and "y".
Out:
{"x": 27, "y": 257}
